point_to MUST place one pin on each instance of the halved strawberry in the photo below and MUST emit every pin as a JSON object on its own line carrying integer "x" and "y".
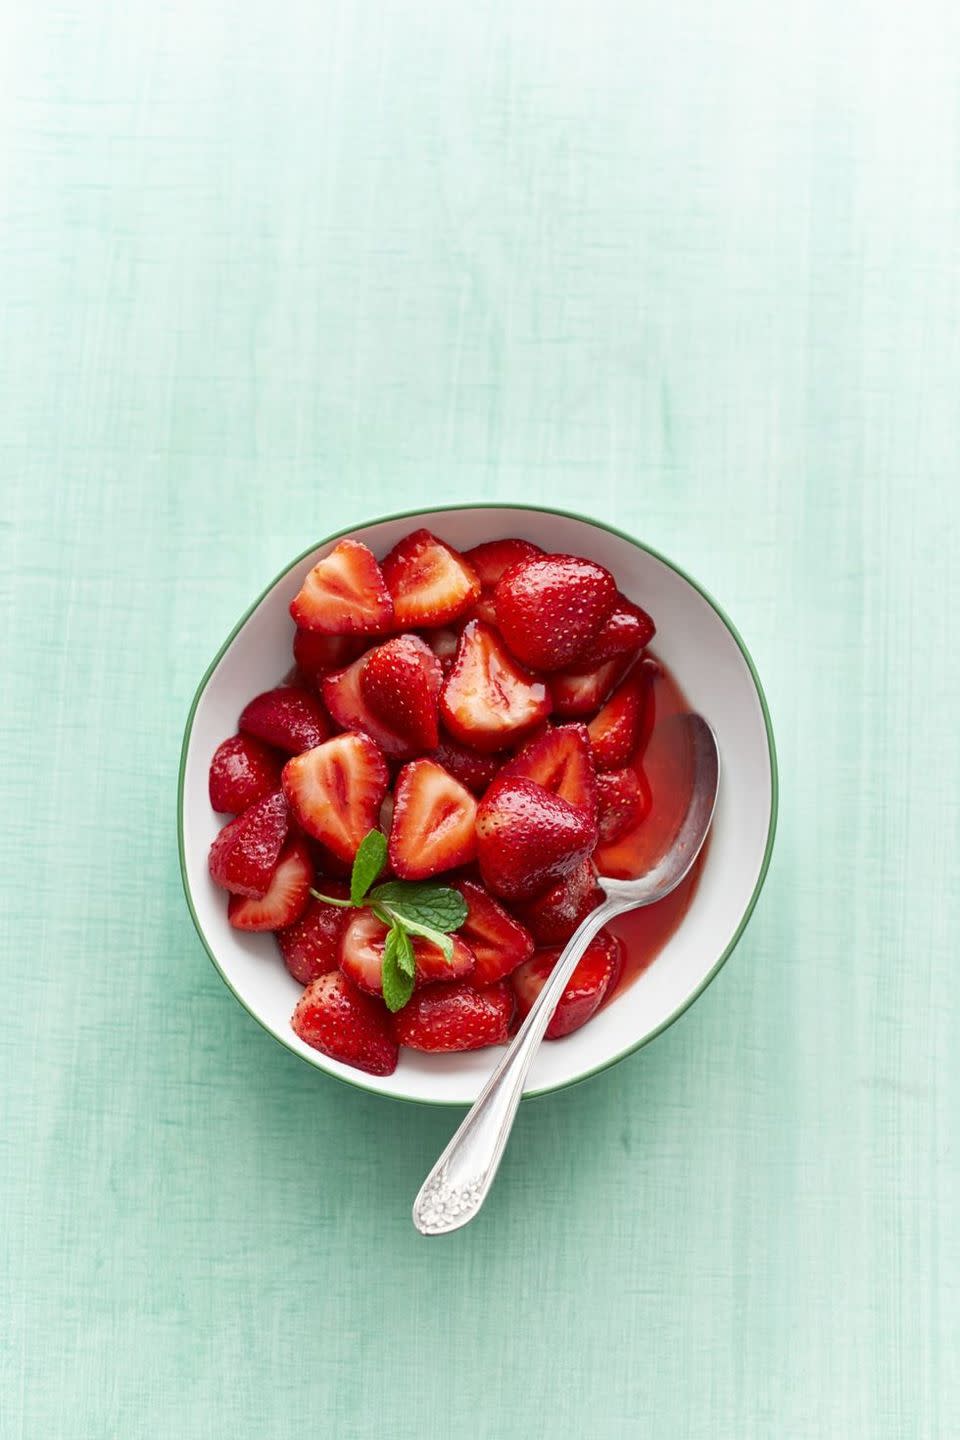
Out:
{"x": 528, "y": 839}
{"x": 430, "y": 582}
{"x": 489, "y": 561}
{"x": 433, "y": 822}
{"x": 590, "y": 983}
{"x": 559, "y": 759}
{"x": 400, "y": 684}
{"x": 244, "y": 854}
{"x": 310, "y": 946}
{"x": 317, "y": 654}
{"x": 338, "y": 1019}
{"x": 554, "y": 915}
{"x": 489, "y": 701}
{"x": 443, "y": 643}
{"x": 344, "y": 699}
{"x": 574, "y": 695}
{"x": 345, "y": 594}
{"x": 335, "y": 790}
{"x": 455, "y": 1017}
{"x": 615, "y": 730}
{"x": 499, "y": 942}
{"x": 625, "y": 800}
{"x": 286, "y": 896}
{"x": 470, "y": 767}
{"x": 551, "y": 607}
{"x": 242, "y": 771}
{"x": 288, "y": 717}
{"x": 627, "y": 630}
{"x": 360, "y": 954}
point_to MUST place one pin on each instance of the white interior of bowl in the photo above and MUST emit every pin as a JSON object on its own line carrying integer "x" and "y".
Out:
{"x": 706, "y": 658}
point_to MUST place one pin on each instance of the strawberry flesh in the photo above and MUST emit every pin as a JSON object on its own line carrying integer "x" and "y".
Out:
{"x": 317, "y": 654}
{"x": 344, "y": 699}
{"x": 554, "y": 915}
{"x": 615, "y": 731}
{"x": 243, "y": 770}
{"x": 430, "y": 582}
{"x": 550, "y": 608}
{"x": 360, "y": 954}
{"x": 499, "y": 942}
{"x": 335, "y": 790}
{"x": 625, "y": 801}
{"x": 528, "y": 839}
{"x": 433, "y": 826}
{"x": 489, "y": 701}
{"x": 344, "y": 594}
{"x": 593, "y": 979}
{"x": 245, "y": 853}
{"x": 336, "y": 1018}
{"x": 310, "y": 945}
{"x": 288, "y": 717}
{"x": 286, "y": 896}
{"x": 559, "y": 759}
{"x": 575, "y": 695}
{"x": 455, "y": 1017}
{"x": 400, "y": 684}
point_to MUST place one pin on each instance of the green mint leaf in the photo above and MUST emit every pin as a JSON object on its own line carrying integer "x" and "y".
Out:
{"x": 436, "y": 906}
{"x": 331, "y": 899}
{"x": 436, "y": 937}
{"x": 406, "y": 960}
{"x": 397, "y": 985}
{"x": 367, "y": 864}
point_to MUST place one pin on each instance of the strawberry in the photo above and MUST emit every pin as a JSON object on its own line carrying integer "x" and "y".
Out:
{"x": 499, "y": 942}
{"x": 625, "y": 800}
{"x": 550, "y": 608}
{"x": 444, "y": 644}
{"x": 344, "y": 699}
{"x": 528, "y": 839}
{"x": 574, "y": 695}
{"x": 433, "y": 822}
{"x": 360, "y": 954}
{"x": 400, "y": 684}
{"x": 615, "y": 731}
{"x": 344, "y": 594}
{"x": 488, "y": 700}
{"x": 431, "y": 583}
{"x": 627, "y": 630}
{"x": 338, "y": 1019}
{"x": 335, "y": 790}
{"x": 317, "y": 654}
{"x": 286, "y": 896}
{"x": 472, "y": 769}
{"x": 592, "y": 980}
{"x": 559, "y": 759}
{"x": 489, "y": 561}
{"x": 244, "y": 854}
{"x": 554, "y": 915}
{"x": 455, "y": 1017}
{"x": 288, "y": 717}
{"x": 310, "y": 945}
{"x": 242, "y": 771}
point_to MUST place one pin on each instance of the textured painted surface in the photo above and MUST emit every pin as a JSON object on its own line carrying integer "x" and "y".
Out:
{"x": 266, "y": 268}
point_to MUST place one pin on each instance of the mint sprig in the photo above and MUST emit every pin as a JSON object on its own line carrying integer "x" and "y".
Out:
{"x": 406, "y": 908}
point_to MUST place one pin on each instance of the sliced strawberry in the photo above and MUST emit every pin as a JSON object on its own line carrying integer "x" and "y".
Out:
{"x": 528, "y": 839}
{"x": 499, "y": 942}
{"x": 444, "y": 644}
{"x": 343, "y": 698}
{"x": 574, "y": 696}
{"x": 625, "y": 800}
{"x": 626, "y": 631}
{"x": 242, "y": 771}
{"x": 470, "y": 767}
{"x": 286, "y": 896}
{"x": 430, "y": 582}
{"x": 400, "y": 684}
{"x": 489, "y": 701}
{"x": 559, "y": 759}
{"x": 455, "y": 1017}
{"x": 244, "y": 854}
{"x": 551, "y": 607}
{"x": 489, "y": 561}
{"x": 338, "y": 1019}
{"x": 554, "y": 915}
{"x": 345, "y": 594}
{"x": 433, "y": 822}
{"x": 317, "y": 654}
{"x": 593, "y": 979}
{"x": 288, "y": 717}
{"x": 360, "y": 954}
{"x": 335, "y": 791}
{"x": 310, "y": 946}
{"x": 615, "y": 730}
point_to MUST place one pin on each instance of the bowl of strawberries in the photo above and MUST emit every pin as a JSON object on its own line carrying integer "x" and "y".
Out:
{"x": 411, "y": 760}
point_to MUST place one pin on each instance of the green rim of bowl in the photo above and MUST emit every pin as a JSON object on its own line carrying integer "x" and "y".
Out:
{"x": 359, "y": 1084}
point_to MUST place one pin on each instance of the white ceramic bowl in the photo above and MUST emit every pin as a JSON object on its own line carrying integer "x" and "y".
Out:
{"x": 712, "y": 665}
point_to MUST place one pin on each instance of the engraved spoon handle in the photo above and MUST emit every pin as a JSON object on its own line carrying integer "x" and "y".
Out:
{"x": 457, "y": 1185}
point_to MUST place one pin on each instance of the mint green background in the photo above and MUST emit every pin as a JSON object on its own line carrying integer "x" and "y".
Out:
{"x": 269, "y": 268}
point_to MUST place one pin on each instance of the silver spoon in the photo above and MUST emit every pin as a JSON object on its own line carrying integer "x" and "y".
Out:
{"x": 458, "y": 1184}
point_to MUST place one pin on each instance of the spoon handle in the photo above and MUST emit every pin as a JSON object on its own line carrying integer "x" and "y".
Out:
{"x": 458, "y": 1184}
